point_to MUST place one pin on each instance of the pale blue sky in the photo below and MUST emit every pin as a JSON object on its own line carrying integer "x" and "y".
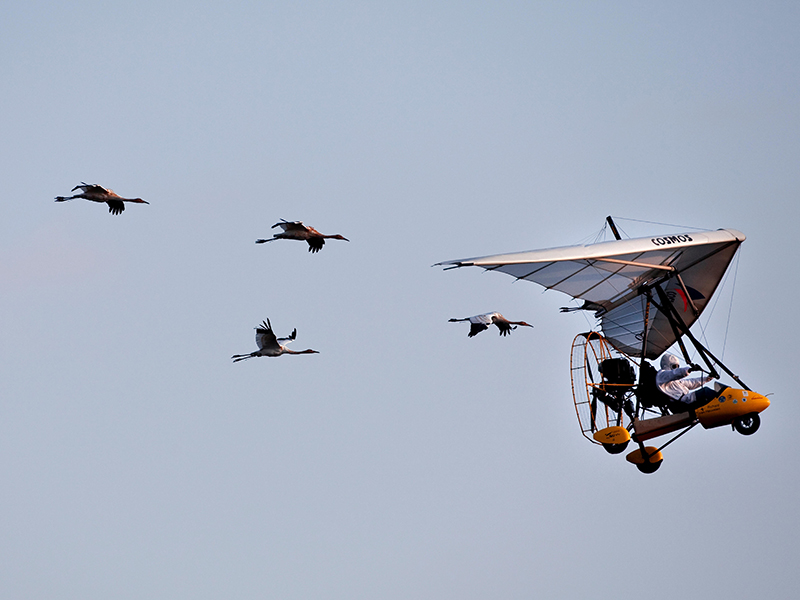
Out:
{"x": 405, "y": 460}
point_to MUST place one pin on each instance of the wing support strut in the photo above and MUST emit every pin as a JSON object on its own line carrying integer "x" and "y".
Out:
{"x": 674, "y": 319}
{"x": 644, "y": 349}
{"x": 632, "y": 263}
{"x": 668, "y": 310}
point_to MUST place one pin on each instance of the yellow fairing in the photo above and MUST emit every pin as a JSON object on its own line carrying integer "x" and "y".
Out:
{"x": 612, "y": 435}
{"x": 729, "y": 405}
{"x": 653, "y": 455}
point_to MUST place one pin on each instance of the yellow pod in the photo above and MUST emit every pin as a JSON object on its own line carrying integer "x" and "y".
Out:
{"x": 729, "y": 405}
{"x": 612, "y": 435}
{"x": 636, "y": 457}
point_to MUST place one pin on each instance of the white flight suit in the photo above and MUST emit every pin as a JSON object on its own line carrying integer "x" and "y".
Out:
{"x": 673, "y": 383}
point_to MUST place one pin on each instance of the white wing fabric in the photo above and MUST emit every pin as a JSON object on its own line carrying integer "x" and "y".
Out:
{"x": 613, "y": 276}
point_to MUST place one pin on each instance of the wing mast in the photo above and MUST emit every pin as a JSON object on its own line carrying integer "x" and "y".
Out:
{"x": 613, "y": 227}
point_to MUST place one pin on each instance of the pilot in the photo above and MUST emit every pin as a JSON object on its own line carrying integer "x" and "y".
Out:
{"x": 671, "y": 380}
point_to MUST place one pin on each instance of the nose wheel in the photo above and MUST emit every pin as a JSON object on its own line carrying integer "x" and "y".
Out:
{"x": 747, "y": 424}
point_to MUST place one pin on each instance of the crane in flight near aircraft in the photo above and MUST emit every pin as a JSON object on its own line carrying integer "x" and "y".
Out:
{"x": 480, "y": 323}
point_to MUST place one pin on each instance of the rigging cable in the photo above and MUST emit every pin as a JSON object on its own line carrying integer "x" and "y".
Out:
{"x": 730, "y": 308}
{"x": 664, "y": 224}
{"x": 623, "y": 231}
{"x": 724, "y": 282}
{"x": 710, "y": 312}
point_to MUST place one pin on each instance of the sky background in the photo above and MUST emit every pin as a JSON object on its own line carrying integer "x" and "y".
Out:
{"x": 405, "y": 461}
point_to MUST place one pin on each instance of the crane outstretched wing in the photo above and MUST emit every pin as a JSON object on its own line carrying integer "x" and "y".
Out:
{"x": 92, "y": 188}
{"x": 265, "y": 337}
{"x": 290, "y": 225}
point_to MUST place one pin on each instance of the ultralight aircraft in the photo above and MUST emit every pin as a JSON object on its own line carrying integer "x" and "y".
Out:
{"x": 646, "y": 294}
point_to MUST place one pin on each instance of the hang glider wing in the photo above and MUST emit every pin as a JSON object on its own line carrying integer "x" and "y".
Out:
{"x": 613, "y": 278}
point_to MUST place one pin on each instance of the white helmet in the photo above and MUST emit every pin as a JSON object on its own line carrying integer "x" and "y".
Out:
{"x": 669, "y": 362}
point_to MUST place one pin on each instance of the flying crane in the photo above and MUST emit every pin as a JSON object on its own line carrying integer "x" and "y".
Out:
{"x": 97, "y": 193}
{"x": 480, "y": 323}
{"x": 295, "y": 230}
{"x": 271, "y": 345}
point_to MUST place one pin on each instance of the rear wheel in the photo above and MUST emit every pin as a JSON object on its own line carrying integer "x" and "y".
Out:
{"x": 747, "y": 424}
{"x": 649, "y": 467}
{"x": 615, "y": 448}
